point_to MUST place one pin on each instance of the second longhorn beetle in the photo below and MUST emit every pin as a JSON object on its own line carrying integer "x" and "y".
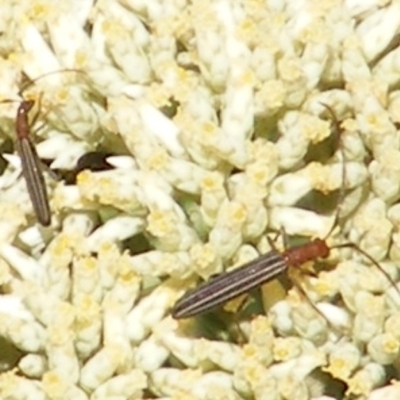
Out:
{"x": 264, "y": 268}
{"x": 31, "y": 165}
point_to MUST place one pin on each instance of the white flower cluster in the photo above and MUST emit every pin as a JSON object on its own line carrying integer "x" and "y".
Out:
{"x": 220, "y": 116}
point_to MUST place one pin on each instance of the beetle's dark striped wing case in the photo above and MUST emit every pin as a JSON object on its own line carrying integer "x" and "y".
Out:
{"x": 32, "y": 171}
{"x": 230, "y": 285}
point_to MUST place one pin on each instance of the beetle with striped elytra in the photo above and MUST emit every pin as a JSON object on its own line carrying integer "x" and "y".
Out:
{"x": 265, "y": 268}
{"x": 32, "y": 167}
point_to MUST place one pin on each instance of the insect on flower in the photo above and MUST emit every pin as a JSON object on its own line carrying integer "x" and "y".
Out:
{"x": 31, "y": 165}
{"x": 232, "y": 284}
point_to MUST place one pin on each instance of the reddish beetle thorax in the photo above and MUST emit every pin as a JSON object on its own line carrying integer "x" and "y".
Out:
{"x": 297, "y": 256}
{"x": 22, "y": 124}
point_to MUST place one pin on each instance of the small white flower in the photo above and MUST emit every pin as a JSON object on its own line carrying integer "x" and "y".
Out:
{"x": 226, "y": 236}
{"x": 343, "y": 360}
{"x": 150, "y": 310}
{"x": 374, "y": 37}
{"x": 366, "y": 379}
{"x": 33, "y": 365}
{"x": 101, "y": 367}
{"x": 129, "y": 385}
{"x": 297, "y": 221}
{"x": 151, "y": 354}
{"x": 21, "y": 388}
{"x": 370, "y": 316}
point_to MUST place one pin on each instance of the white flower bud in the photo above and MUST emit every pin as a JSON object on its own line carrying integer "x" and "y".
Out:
{"x": 100, "y": 367}
{"x": 129, "y": 385}
{"x": 88, "y": 326}
{"x": 297, "y": 221}
{"x": 55, "y": 386}
{"x": 281, "y": 317}
{"x": 28, "y": 268}
{"x": 369, "y": 377}
{"x": 181, "y": 347}
{"x": 371, "y": 229}
{"x": 213, "y": 194}
{"x": 287, "y": 348}
{"x": 29, "y": 336}
{"x": 384, "y": 348}
{"x": 160, "y": 263}
{"x": 343, "y": 360}
{"x": 252, "y": 195}
{"x": 291, "y": 388}
{"x": 370, "y": 316}
{"x": 392, "y": 325}
{"x": 86, "y": 278}
{"x": 42, "y": 59}
{"x": 61, "y": 354}
{"x": 213, "y": 385}
{"x": 150, "y": 355}
{"x": 205, "y": 262}
{"x": 224, "y": 355}
{"x": 33, "y": 365}
{"x": 126, "y": 288}
{"x": 116, "y": 229}
{"x": 168, "y": 381}
{"x": 118, "y": 188}
{"x": 257, "y": 378}
{"x": 355, "y": 67}
{"x": 19, "y": 388}
{"x": 151, "y": 309}
{"x": 378, "y": 30}
{"x": 226, "y": 235}
{"x": 384, "y": 172}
